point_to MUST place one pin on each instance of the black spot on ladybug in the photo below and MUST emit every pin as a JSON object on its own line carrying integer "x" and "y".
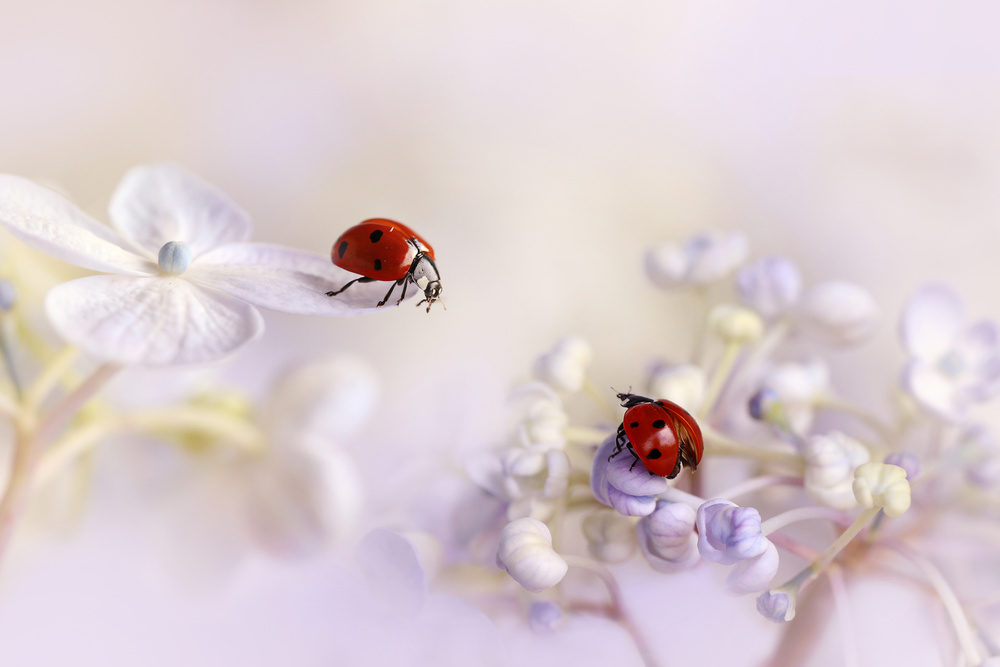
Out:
{"x": 375, "y": 236}
{"x": 378, "y": 262}
{"x": 654, "y": 454}
{"x": 634, "y": 425}
{"x": 659, "y": 423}
{"x": 341, "y": 249}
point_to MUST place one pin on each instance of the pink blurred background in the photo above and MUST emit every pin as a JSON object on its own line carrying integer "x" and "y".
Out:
{"x": 540, "y": 147}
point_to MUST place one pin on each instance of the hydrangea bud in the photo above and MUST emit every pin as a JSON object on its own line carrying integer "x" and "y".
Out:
{"x": 564, "y": 367}
{"x": 838, "y": 313}
{"x": 777, "y": 605}
{"x": 770, "y": 285}
{"x": 882, "y": 485}
{"x": 629, "y": 489}
{"x": 542, "y": 419}
{"x": 544, "y": 617}
{"x": 735, "y": 324}
{"x": 526, "y": 552}
{"x": 684, "y": 384}
{"x": 730, "y": 534}
{"x": 667, "y": 537}
{"x": 701, "y": 260}
{"x": 799, "y": 385}
{"x": 610, "y": 536}
{"x": 831, "y": 460}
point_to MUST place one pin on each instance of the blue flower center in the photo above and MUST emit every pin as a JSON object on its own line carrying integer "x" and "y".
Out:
{"x": 175, "y": 258}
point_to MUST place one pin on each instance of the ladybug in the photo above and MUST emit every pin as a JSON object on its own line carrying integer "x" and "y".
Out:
{"x": 386, "y": 250}
{"x": 661, "y": 434}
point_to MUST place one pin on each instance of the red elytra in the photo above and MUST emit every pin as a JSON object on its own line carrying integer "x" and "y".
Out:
{"x": 660, "y": 434}
{"x": 385, "y": 250}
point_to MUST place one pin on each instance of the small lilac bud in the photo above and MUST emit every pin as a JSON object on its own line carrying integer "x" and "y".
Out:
{"x": 175, "y": 258}
{"x": 831, "y": 460}
{"x": 907, "y": 462}
{"x": 526, "y": 552}
{"x": 777, "y": 605}
{"x": 770, "y": 285}
{"x": 684, "y": 384}
{"x": 765, "y": 405}
{"x": 667, "y": 537}
{"x": 544, "y": 617}
{"x": 629, "y": 489}
{"x": 728, "y": 533}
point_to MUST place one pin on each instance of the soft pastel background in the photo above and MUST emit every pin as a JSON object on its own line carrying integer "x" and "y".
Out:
{"x": 541, "y": 147}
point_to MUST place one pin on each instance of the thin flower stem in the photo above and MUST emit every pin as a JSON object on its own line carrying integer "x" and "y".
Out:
{"x": 675, "y": 495}
{"x": 203, "y": 420}
{"x": 30, "y": 436}
{"x": 834, "y": 403}
{"x": 620, "y": 613}
{"x": 845, "y": 538}
{"x": 719, "y": 377}
{"x": 842, "y": 606}
{"x": 758, "y": 483}
{"x": 8, "y": 359}
{"x": 779, "y": 521}
{"x": 720, "y": 445}
{"x": 960, "y": 622}
{"x": 49, "y": 378}
{"x": 600, "y": 400}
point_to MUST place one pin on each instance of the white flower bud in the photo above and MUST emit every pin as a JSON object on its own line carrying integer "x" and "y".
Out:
{"x": 777, "y": 605}
{"x": 683, "y": 384}
{"x": 831, "y": 460}
{"x": 838, "y": 313}
{"x": 610, "y": 536}
{"x": 700, "y": 260}
{"x": 526, "y": 553}
{"x": 770, "y": 285}
{"x": 174, "y": 258}
{"x": 565, "y": 366}
{"x": 882, "y": 485}
{"x": 735, "y": 324}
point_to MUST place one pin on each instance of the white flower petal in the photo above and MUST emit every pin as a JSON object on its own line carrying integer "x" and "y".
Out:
{"x": 150, "y": 321}
{"x": 161, "y": 203}
{"x": 48, "y": 222}
{"x": 934, "y": 390}
{"x": 393, "y": 570}
{"x": 838, "y": 313}
{"x": 931, "y": 321}
{"x": 291, "y": 281}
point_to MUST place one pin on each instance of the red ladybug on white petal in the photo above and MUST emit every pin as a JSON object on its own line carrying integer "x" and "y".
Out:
{"x": 661, "y": 434}
{"x": 385, "y": 250}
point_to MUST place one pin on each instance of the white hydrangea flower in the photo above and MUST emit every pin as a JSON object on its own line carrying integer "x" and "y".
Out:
{"x": 837, "y": 313}
{"x": 701, "y": 260}
{"x": 798, "y": 385}
{"x": 526, "y": 552}
{"x": 771, "y": 285}
{"x": 683, "y": 384}
{"x": 831, "y": 460}
{"x": 735, "y": 324}
{"x": 564, "y": 367}
{"x": 952, "y": 366}
{"x": 184, "y": 285}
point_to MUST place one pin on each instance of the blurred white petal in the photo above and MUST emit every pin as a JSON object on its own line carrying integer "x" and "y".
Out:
{"x": 291, "y": 281}
{"x": 393, "y": 570}
{"x": 152, "y": 321}
{"x": 160, "y": 203}
{"x": 48, "y": 222}
{"x": 931, "y": 321}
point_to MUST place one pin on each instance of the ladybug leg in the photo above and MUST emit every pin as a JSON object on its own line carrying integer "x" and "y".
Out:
{"x": 620, "y": 440}
{"x": 406, "y": 283}
{"x": 389, "y": 293}
{"x": 362, "y": 279}
{"x": 632, "y": 452}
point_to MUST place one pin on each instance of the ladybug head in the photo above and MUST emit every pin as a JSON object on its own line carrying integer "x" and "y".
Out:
{"x": 432, "y": 294}
{"x": 427, "y": 278}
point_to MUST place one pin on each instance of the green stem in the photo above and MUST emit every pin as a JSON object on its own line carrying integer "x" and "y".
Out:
{"x": 845, "y": 538}
{"x": 719, "y": 377}
{"x": 717, "y": 444}
{"x": 779, "y": 521}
